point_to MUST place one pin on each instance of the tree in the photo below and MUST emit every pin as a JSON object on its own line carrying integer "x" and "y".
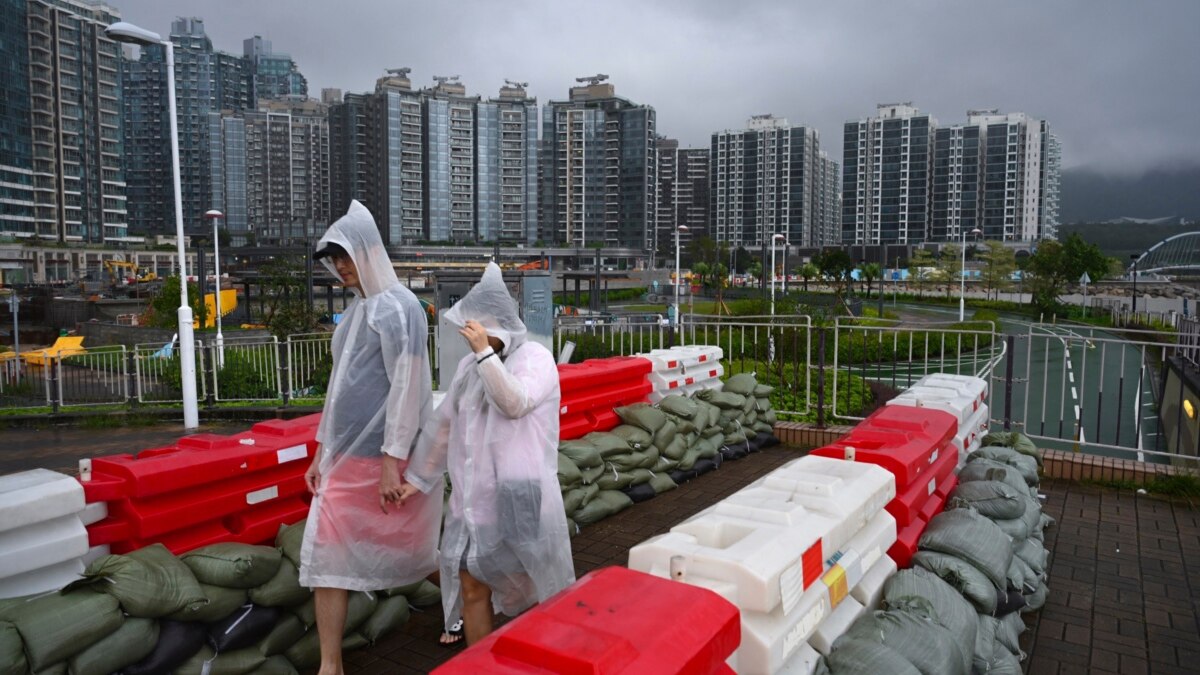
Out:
{"x": 287, "y": 311}
{"x": 1055, "y": 264}
{"x": 949, "y": 267}
{"x": 702, "y": 249}
{"x": 835, "y": 264}
{"x": 808, "y": 271}
{"x": 741, "y": 260}
{"x": 164, "y": 307}
{"x": 1079, "y": 256}
{"x": 755, "y": 270}
{"x": 720, "y": 276}
{"x": 999, "y": 263}
{"x": 869, "y": 273}
{"x": 701, "y": 270}
{"x": 919, "y": 268}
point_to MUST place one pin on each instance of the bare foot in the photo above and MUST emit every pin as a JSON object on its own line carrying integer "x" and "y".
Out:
{"x": 453, "y": 634}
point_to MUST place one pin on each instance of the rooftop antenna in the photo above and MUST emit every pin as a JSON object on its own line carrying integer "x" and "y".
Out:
{"x": 593, "y": 80}
{"x": 443, "y": 79}
{"x": 512, "y": 83}
{"x": 399, "y": 72}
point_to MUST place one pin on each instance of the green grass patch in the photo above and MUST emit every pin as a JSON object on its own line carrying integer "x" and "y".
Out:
{"x": 1184, "y": 486}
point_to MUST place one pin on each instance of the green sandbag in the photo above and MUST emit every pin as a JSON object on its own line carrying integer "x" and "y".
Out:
{"x": 572, "y": 528}
{"x": 661, "y": 483}
{"x": 221, "y": 602}
{"x": 149, "y": 583}
{"x": 679, "y": 405}
{"x": 276, "y": 665}
{"x": 914, "y": 635}
{"x": 748, "y": 405}
{"x": 992, "y": 498}
{"x": 768, "y": 416}
{"x": 56, "y": 669}
{"x": 986, "y": 469}
{"x": 706, "y": 449}
{"x": 665, "y": 465}
{"x": 1027, "y": 466}
{"x": 970, "y": 536}
{"x": 568, "y": 473}
{"x": 665, "y": 435}
{"x": 761, "y": 427}
{"x": 1037, "y": 599}
{"x": 423, "y": 593}
{"x": 689, "y": 459}
{"x": 233, "y": 565}
{"x": 763, "y": 391}
{"x": 608, "y": 444}
{"x": 682, "y": 425}
{"x": 56, "y": 626}
{"x": 762, "y": 405}
{"x": 12, "y": 655}
{"x": 750, "y": 418}
{"x": 1029, "y": 578}
{"x": 1015, "y": 578}
{"x": 1016, "y": 529}
{"x": 964, "y": 577}
{"x": 389, "y": 615}
{"x": 359, "y": 606}
{"x": 592, "y": 474}
{"x": 287, "y": 632}
{"x": 637, "y": 437}
{"x": 1015, "y": 440}
{"x": 918, "y": 586}
{"x": 743, "y": 384}
{"x": 736, "y": 438}
{"x": 650, "y": 458}
{"x": 289, "y": 539}
{"x": 283, "y": 590}
{"x": 127, "y": 645}
{"x": 727, "y": 401}
{"x": 613, "y": 480}
{"x": 207, "y": 662}
{"x": 675, "y": 449}
{"x": 306, "y": 653}
{"x": 581, "y": 452}
{"x": 867, "y": 657}
{"x": 624, "y": 463}
{"x": 576, "y": 498}
{"x": 642, "y": 415}
{"x": 1003, "y": 662}
{"x": 712, "y": 431}
{"x": 603, "y": 505}
{"x": 1033, "y": 553}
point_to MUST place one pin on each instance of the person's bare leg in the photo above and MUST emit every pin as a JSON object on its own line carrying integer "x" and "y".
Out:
{"x": 331, "y": 622}
{"x": 477, "y": 608}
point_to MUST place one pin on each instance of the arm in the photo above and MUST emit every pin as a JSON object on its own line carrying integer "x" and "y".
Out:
{"x": 428, "y": 460}
{"x": 406, "y": 362}
{"x": 517, "y": 393}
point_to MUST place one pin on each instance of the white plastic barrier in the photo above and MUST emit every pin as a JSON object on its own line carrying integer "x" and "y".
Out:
{"x": 970, "y": 435}
{"x": 42, "y": 536}
{"x": 96, "y": 552}
{"x": 976, "y": 387}
{"x": 833, "y": 627}
{"x": 803, "y": 662}
{"x": 94, "y": 513}
{"x": 959, "y": 403}
{"x": 869, "y": 591}
{"x": 849, "y": 492}
{"x": 685, "y": 384}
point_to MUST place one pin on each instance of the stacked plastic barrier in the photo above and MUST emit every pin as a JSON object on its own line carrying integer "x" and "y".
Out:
{"x": 960, "y": 395}
{"x": 684, "y": 370}
{"x": 615, "y": 621}
{"x": 792, "y": 551}
{"x": 204, "y": 489}
{"x": 914, "y": 445}
{"x": 43, "y": 543}
{"x": 592, "y": 389}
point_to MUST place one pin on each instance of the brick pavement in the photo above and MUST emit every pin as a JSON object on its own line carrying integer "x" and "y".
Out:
{"x": 1124, "y": 584}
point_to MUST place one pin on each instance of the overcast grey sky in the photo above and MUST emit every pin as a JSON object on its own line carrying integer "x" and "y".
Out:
{"x": 1118, "y": 80}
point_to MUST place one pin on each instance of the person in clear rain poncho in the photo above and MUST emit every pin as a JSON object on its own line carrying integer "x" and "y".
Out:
{"x": 378, "y": 397}
{"x": 504, "y": 545}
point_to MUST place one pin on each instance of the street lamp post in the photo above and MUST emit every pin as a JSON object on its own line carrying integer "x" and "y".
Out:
{"x": 678, "y": 278}
{"x": 962, "y": 275}
{"x": 1134, "y": 257}
{"x": 215, "y": 216}
{"x": 774, "y": 238}
{"x": 129, "y": 33}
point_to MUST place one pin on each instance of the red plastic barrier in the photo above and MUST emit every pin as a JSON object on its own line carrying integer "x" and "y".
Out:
{"x": 900, "y": 439}
{"x": 614, "y": 620}
{"x": 205, "y": 489}
{"x": 574, "y": 377}
{"x": 907, "y": 505}
{"x": 937, "y": 503}
{"x": 906, "y": 543}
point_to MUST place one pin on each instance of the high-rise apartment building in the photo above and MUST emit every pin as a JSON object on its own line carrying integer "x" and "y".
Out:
{"x": 599, "y": 169}
{"x": 683, "y": 194}
{"x": 60, "y": 122}
{"x": 271, "y": 75}
{"x": 907, "y": 179}
{"x": 506, "y": 176}
{"x": 768, "y": 180}
{"x": 272, "y": 171}
{"x": 828, "y": 205}
{"x": 436, "y": 164}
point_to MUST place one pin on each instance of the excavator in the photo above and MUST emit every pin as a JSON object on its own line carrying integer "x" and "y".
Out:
{"x": 125, "y": 273}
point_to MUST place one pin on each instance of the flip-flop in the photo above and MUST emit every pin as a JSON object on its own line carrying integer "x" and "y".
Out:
{"x": 455, "y": 632}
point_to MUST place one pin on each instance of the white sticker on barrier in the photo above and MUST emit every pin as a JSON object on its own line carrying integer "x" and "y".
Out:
{"x": 802, "y": 630}
{"x": 263, "y": 495}
{"x": 292, "y": 454}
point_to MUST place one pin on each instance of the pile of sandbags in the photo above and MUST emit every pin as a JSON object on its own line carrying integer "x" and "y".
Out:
{"x": 980, "y": 565}
{"x": 225, "y": 608}
{"x": 657, "y": 447}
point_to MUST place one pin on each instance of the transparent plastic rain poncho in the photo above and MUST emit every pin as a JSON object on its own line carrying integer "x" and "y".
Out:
{"x": 378, "y": 398}
{"x": 497, "y": 435}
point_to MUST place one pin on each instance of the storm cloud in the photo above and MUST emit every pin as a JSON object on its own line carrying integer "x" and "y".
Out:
{"x": 1117, "y": 80}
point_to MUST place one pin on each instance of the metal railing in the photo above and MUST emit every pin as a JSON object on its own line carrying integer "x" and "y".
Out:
{"x": 246, "y": 370}
{"x": 625, "y": 334}
{"x": 308, "y": 357}
{"x": 93, "y": 377}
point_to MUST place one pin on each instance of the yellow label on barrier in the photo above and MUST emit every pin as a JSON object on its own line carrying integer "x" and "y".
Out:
{"x": 835, "y": 579}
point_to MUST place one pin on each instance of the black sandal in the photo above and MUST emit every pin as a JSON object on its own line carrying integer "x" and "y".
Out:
{"x": 453, "y": 634}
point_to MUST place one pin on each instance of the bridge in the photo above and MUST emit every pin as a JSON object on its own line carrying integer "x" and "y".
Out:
{"x": 1179, "y": 254}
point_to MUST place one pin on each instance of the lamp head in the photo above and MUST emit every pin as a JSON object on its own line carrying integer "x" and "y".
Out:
{"x": 213, "y": 214}
{"x": 126, "y": 32}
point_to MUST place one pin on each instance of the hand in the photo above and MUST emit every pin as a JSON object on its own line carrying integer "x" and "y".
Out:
{"x": 389, "y": 482}
{"x": 408, "y": 490}
{"x": 476, "y": 336}
{"x": 312, "y": 477}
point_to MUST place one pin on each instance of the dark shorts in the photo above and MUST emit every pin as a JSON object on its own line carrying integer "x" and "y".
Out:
{"x": 518, "y": 519}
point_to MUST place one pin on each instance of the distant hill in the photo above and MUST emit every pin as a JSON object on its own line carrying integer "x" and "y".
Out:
{"x": 1119, "y": 240}
{"x": 1089, "y": 196}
